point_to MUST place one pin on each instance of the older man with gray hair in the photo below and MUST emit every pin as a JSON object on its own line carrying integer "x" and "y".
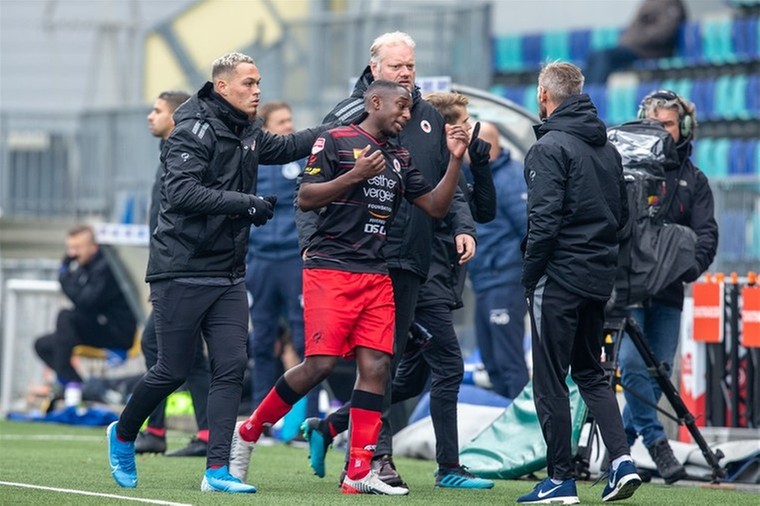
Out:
{"x": 576, "y": 207}
{"x": 410, "y": 237}
{"x": 196, "y": 267}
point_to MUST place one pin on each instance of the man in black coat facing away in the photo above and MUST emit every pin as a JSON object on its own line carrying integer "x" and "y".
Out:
{"x": 576, "y": 207}
{"x": 196, "y": 266}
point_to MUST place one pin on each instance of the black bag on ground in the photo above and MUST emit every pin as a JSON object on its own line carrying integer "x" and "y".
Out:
{"x": 653, "y": 253}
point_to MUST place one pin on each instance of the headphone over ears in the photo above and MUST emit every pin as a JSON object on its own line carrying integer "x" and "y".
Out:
{"x": 686, "y": 120}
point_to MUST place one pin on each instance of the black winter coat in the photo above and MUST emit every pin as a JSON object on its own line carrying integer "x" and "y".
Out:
{"x": 96, "y": 295}
{"x": 208, "y": 178}
{"x": 410, "y": 238}
{"x": 692, "y": 206}
{"x": 445, "y": 282}
{"x": 576, "y": 202}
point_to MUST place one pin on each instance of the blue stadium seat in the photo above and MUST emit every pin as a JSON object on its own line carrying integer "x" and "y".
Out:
{"x": 717, "y": 46}
{"x": 741, "y": 157}
{"x": 731, "y": 223}
{"x": 598, "y": 95}
{"x": 720, "y": 158}
{"x": 740, "y": 34}
{"x": 531, "y": 50}
{"x": 703, "y": 150}
{"x": 507, "y": 53}
{"x": 689, "y": 46}
{"x": 753, "y": 96}
{"x": 645, "y": 88}
{"x": 621, "y": 104}
{"x": 555, "y": 45}
{"x": 580, "y": 44}
{"x": 529, "y": 98}
{"x": 702, "y": 92}
{"x": 723, "y": 105}
{"x": 604, "y": 38}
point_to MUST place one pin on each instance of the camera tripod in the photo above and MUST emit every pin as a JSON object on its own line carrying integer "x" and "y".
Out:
{"x": 616, "y": 327}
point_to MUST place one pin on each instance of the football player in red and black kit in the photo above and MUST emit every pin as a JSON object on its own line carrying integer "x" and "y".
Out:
{"x": 359, "y": 175}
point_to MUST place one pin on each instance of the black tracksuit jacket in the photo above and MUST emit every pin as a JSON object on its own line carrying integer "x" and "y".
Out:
{"x": 576, "y": 202}
{"x": 210, "y": 166}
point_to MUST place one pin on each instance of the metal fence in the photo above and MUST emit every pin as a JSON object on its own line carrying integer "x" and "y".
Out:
{"x": 737, "y": 210}
{"x": 92, "y": 164}
{"x": 314, "y": 64}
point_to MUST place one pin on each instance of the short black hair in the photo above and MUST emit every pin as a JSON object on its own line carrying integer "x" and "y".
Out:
{"x": 174, "y": 98}
{"x": 381, "y": 87}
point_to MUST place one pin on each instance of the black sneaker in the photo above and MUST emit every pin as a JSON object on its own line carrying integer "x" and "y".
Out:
{"x": 149, "y": 443}
{"x": 667, "y": 466}
{"x": 386, "y": 471}
{"x": 195, "y": 448}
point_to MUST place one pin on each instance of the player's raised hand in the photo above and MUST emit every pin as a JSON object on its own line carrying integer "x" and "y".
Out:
{"x": 369, "y": 165}
{"x": 456, "y": 140}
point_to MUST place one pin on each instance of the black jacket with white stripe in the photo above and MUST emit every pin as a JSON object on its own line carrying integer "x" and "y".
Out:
{"x": 210, "y": 163}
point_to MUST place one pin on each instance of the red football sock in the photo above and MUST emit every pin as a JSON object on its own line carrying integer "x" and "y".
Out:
{"x": 365, "y": 428}
{"x": 275, "y": 405}
{"x": 202, "y": 435}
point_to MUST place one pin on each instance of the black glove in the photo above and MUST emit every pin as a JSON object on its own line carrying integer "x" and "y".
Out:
{"x": 261, "y": 210}
{"x": 66, "y": 263}
{"x": 478, "y": 149}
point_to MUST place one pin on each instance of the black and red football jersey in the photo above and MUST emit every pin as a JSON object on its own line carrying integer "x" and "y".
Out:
{"x": 352, "y": 229}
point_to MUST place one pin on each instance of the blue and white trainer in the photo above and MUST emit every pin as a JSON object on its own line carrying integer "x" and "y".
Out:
{"x": 220, "y": 480}
{"x": 459, "y": 477}
{"x": 121, "y": 457}
{"x": 622, "y": 482}
{"x": 318, "y": 445}
{"x": 548, "y": 492}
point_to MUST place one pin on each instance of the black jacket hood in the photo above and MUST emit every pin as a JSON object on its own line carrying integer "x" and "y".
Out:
{"x": 576, "y": 116}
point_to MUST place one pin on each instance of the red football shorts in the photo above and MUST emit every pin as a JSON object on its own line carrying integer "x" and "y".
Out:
{"x": 343, "y": 310}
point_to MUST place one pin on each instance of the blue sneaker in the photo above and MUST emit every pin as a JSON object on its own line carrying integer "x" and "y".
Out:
{"x": 318, "y": 444}
{"x": 547, "y": 492}
{"x": 622, "y": 483}
{"x": 121, "y": 457}
{"x": 459, "y": 477}
{"x": 220, "y": 480}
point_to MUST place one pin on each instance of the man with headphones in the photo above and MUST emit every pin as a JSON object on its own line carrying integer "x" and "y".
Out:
{"x": 688, "y": 201}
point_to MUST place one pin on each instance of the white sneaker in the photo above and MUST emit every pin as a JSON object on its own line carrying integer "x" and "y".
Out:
{"x": 240, "y": 454}
{"x": 370, "y": 484}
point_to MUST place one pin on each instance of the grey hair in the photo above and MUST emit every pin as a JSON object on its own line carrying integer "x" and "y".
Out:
{"x": 654, "y": 102}
{"x": 561, "y": 80}
{"x": 228, "y": 63}
{"x": 388, "y": 39}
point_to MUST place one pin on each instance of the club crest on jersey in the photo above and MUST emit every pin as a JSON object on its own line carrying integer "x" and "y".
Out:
{"x": 396, "y": 166}
{"x": 425, "y": 126}
{"x": 318, "y": 146}
{"x": 357, "y": 153}
{"x": 312, "y": 171}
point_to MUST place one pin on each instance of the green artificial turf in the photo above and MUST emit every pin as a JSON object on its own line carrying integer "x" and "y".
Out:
{"x": 75, "y": 458}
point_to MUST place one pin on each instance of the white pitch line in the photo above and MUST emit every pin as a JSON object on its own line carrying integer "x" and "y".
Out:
{"x": 49, "y": 437}
{"x": 94, "y": 494}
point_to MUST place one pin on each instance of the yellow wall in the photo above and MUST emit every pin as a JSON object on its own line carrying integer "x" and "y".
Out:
{"x": 210, "y": 29}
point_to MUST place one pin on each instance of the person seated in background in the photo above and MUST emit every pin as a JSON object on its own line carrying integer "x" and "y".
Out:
{"x": 100, "y": 316}
{"x": 652, "y": 34}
